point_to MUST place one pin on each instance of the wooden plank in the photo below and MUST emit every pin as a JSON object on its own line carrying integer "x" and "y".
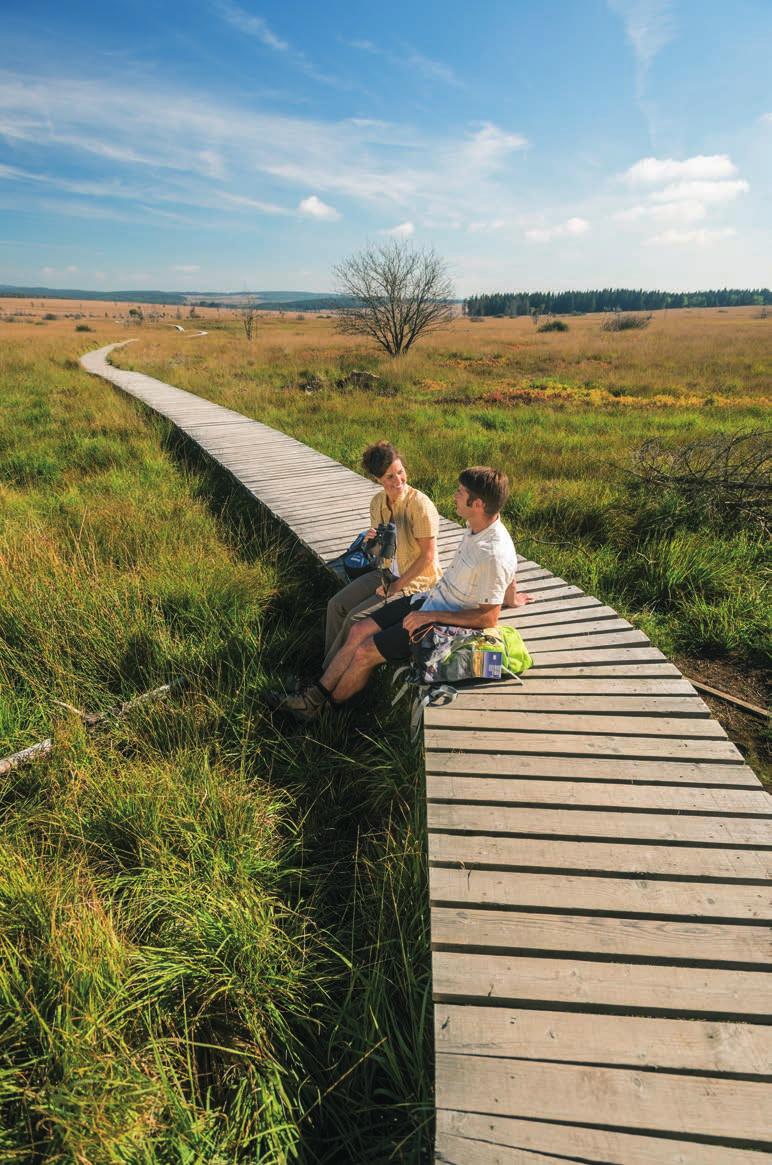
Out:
{"x": 651, "y": 771}
{"x": 578, "y": 744}
{"x": 598, "y": 795}
{"x": 582, "y": 654}
{"x": 572, "y": 893}
{"x": 541, "y": 649}
{"x": 594, "y": 824}
{"x": 713, "y": 1047}
{"x": 612, "y": 686}
{"x": 521, "y": 699}
{"x": 452, "y": 1150}
{"x": 511, "y": 720}
{"x": 528, "y": 619}
{"x": 655, "y": 668}
{"x": 546, "y": 611}
{"x": 652, "y": 1101}
{"x": 581, "y": 983}
{"x": 575, "y": 627}
{"x": 621, "y": 857}
{"x": 497, "y": 931}
{"x": 572, "y": 1142}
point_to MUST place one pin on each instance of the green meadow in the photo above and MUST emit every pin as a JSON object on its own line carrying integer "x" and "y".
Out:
{"x": 215, "y": 931}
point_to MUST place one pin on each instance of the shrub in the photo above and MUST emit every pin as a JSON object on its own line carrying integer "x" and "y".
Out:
{"x": 619, "y": 322}
{"x": 83, "y": 328}
{"x": 50, "y": 316}
{"x": 553, "y": 326}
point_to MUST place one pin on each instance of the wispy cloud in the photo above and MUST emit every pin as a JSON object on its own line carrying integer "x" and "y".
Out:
{"x": 257, "y": 26}
{"x": 410, "y": 58}
{"x": 185, "y": 268}
{"x": 313, "y": 207}
{"x": 253, "y": 26}
{"x": 699, "y": 238}
{"x": 571, "y": 228}
{"x": 245, "y": 159}
{"x": 649, "y": 26}
{"x": 688, "y": 210}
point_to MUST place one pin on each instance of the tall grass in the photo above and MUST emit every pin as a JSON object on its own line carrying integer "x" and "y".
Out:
{"x": 213, "y": 942}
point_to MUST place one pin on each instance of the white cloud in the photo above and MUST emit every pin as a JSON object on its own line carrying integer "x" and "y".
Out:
{"x": 572, "y": 227}
{"x": 704, "y": 191}
{"x": 71, "y": 269}
{"x": 767, "y": 117}
{"x": 700, "y": 238}
{"x": 313, "y": 207}
{"x": 403, "y": 231}
{"x": 702, "y": 166}
{"x": 489, "y": 147}
{"x": 185, "y": 268}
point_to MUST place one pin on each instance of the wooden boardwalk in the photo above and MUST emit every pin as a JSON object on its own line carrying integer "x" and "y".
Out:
{"x": 600, "y": 859}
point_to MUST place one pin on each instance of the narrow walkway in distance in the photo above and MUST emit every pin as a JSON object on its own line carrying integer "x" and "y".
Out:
{"x": 600, "y": 859}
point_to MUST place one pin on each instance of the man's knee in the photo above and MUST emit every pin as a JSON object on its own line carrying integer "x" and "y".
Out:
{"x": 367, "y": 654}
{"x": 361, "y": 630}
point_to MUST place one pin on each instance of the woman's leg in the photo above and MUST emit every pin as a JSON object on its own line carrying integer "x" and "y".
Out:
{"x": 341, "y": 603}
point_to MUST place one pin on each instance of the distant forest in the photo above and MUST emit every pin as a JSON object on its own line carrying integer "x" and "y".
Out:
{"x": 523, "y": 303}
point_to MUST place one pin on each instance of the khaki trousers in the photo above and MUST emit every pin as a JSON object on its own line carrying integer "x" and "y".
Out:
{"x": 355, "y": 601}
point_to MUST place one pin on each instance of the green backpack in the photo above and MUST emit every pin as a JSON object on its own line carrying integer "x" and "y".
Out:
{"x": 445, "y": 655}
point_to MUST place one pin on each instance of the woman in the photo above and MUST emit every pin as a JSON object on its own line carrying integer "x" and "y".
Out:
{"x": 416, "y": 566}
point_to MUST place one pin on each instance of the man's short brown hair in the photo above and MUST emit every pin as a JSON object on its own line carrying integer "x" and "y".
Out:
{"x": 489, "y": 485}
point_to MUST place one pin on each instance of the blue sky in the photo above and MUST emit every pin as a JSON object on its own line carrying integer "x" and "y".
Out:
{"x": 225, "y": 145}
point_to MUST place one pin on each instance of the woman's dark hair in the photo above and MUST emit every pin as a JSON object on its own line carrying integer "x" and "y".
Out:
{"x": 489, "y": 485}
{"x": 377, "y": 458}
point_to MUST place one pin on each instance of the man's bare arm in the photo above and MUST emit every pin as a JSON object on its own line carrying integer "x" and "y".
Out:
{"x": 513, "y": 598}
{"x": 478, "y": 617}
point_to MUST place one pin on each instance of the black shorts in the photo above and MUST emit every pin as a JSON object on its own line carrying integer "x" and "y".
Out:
{"x": 392, "y": 640}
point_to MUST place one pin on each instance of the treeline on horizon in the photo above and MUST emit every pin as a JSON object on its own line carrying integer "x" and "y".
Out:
{"x": 523, "y": 303}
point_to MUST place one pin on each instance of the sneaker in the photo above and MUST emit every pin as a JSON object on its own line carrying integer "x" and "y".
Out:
{"x": 302, "y": 706}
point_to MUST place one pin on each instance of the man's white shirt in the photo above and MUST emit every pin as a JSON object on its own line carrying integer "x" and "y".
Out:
{"x": 483, "y": 567}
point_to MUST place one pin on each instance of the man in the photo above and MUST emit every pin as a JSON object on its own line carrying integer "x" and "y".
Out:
{"x": 469, "y": 594}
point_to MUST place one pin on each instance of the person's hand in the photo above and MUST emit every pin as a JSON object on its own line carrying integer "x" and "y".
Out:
{"x": 415, "y": 620}
{"x": 381, "y": 591}
{"x": 370, "y": 533}
{"x": 521, "y": 600}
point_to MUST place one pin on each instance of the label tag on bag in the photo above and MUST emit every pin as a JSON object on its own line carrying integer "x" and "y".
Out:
{"x": 487, "y": 664}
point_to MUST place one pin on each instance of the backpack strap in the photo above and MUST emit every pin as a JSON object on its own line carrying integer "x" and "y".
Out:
{"x": 429, "y": 696}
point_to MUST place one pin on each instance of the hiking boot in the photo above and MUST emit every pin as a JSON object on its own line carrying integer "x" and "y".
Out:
{"x": 302, "y": 706}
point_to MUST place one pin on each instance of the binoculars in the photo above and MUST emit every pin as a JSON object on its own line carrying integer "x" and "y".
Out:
{"x": 383, "y": 545}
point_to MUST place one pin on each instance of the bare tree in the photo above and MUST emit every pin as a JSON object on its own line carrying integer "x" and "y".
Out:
{"x": 399, "y": 294}
{"x": 249, "y": 318}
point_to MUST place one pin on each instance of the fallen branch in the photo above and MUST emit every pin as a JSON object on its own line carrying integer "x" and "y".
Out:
{"x": 44, "y": 747}
{"x": 764, "y": 713}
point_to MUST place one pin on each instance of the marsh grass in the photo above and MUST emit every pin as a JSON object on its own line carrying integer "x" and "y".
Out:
{"x": 213, "y": 935}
